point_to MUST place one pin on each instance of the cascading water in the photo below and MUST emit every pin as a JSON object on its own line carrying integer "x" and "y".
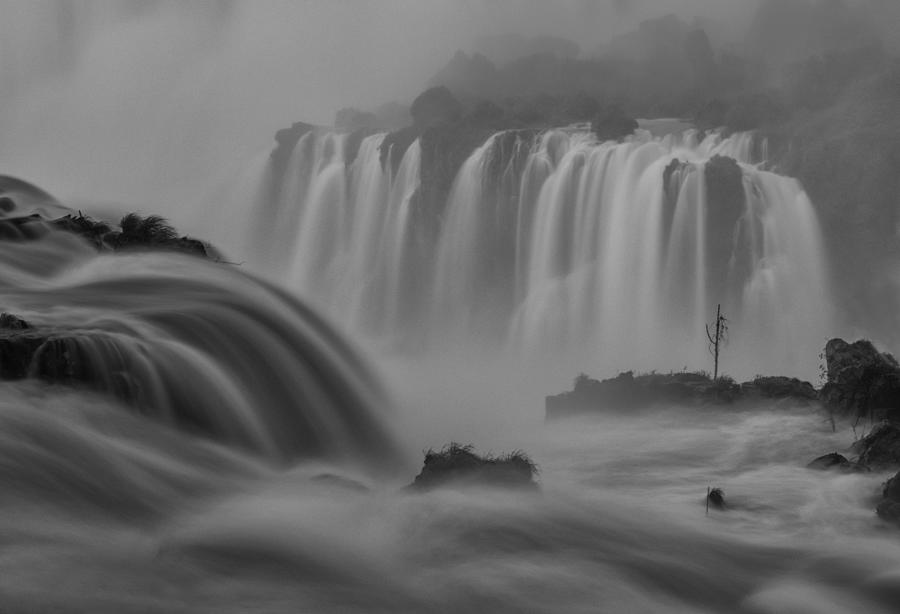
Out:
{"x": 617, "y": 253}
{"x": 198, "y": 346}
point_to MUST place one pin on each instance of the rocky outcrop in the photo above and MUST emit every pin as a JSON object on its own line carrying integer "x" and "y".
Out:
{"x": 880, "y": 449}
{"x": 780, "y": 387}
{"x": 457, "y": 464}
{"x": 628, "y": 391}
{"x": 862, "y": 381}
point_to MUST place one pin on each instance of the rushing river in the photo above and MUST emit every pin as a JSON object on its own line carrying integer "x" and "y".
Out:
{"x": 109, "y": 509}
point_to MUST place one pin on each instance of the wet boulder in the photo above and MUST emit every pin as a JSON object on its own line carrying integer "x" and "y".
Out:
{"x": 834, "y": 462}
{"x": 17, "y": 349}
{"x": 628, "y": 391}
{"x": 458, "y": 464}
{"x": 880, "y": 449}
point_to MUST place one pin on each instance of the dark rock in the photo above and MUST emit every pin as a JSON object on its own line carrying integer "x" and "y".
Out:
{"x": 780, "y": 387}
{"x": 351, "y": 145}
{"x": 435, "y": 106}
{"x": 834, "y": 461}
{"x": 612, "y": 124}
{"x": 17, "y": 349}
{"x": 49, "y": 354}
{"x": 726, "y": 204}
{"x": 394, "y": 146}
{"x": 458, "y": 464}
{"x": 716, "y": 498}
{"x": 889, "y": 508}
{"x": 286, "y": 140}
{"x": 861, "y": 380}
{"x": 880, "y": 449}
{"x": 11, "y": 322}
{"x": 627, "y": 391}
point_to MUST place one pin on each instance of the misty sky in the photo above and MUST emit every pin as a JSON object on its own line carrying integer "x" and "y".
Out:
{"x": 153, "y": 101}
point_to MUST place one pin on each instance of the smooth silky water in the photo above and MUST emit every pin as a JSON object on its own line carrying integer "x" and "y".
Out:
{"x": 280, "y": 506}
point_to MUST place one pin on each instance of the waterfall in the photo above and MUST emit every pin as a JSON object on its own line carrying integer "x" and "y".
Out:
{"x": 552, "y": 243}
{"x": 196, "y": 345}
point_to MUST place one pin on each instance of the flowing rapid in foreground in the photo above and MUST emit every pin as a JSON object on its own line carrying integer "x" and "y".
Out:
{"x": 115, "y": 502}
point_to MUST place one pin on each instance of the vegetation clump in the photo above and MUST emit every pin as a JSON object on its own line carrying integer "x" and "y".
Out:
{"x": 456, "y": 463}
{"x": 135, "y": 232}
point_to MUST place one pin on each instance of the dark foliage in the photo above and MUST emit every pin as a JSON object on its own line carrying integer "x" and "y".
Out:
{"x": 434, "y": 106}
{"x": 613, "y": 124}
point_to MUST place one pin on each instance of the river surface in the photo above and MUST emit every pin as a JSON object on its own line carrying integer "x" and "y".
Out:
{"x": 105, "y": 510}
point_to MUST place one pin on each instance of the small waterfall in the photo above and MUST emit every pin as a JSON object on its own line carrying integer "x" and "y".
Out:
{"x": 618, "y": 252}
{"x": 199, "y": 346}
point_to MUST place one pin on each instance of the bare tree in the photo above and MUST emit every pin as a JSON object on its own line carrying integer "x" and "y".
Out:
{"x": 717, "y": 339}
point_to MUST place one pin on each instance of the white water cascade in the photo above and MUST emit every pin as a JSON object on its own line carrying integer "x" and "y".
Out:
{"x": 556, "y": 243}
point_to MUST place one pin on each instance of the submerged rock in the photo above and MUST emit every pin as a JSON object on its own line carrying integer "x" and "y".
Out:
{"x": 17, "y": 349}
{"x": 455, "y": 464}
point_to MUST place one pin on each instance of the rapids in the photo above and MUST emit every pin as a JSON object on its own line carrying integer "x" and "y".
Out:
{"x": 106, "y": 511}
{"x": 200, "y": 345}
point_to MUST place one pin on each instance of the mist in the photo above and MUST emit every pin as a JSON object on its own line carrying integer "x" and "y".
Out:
{"x": 152, "y": 103}
{"x": 449, "y": 306}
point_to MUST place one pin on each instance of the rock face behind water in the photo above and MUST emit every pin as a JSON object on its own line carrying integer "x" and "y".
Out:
{"x": 435, "y": 106}
{"x": 861, "y": 380}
